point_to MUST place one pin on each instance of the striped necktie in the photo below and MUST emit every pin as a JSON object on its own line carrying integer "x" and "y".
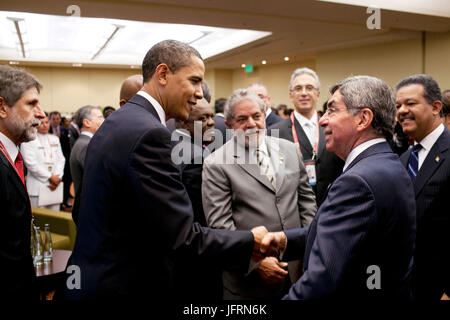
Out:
{"x": 19, "y": 166}
{"x": 413, "y": 162}
{"x": 264, "y": 164}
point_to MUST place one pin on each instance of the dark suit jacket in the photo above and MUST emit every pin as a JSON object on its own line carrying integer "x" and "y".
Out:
{"x": 368, "y": 218}
{"x": 77, "y": 157}
{"x": 272, "y": 119}
{"x": 328, "y": 165}
{"x": 135, "y": 215}
{"x": 200, "y": 280}
{"x": 74, "y": 133}
{"x": 17, "y": 274}
{"x": 219, "y": 124}
{"x": 431, "y": 277}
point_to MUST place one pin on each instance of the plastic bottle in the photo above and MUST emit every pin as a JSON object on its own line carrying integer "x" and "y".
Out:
{"x": 48, "y": 244}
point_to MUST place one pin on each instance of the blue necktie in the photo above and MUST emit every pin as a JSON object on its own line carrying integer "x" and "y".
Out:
{"x": 413, "y": 163}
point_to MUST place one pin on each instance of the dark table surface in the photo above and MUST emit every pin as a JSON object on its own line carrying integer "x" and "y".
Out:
{"x": 57, "y": 265}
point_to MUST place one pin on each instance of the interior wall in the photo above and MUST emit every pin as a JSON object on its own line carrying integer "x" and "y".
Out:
{"x": 437, "y": 58}
{"x": 67, "y": 89}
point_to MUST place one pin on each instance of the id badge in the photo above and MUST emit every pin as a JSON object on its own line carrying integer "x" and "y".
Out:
{"x": 49, "y": 166}
{"x": 310, "y": 166}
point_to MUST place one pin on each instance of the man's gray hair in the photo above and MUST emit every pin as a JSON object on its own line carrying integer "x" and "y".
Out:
{"x": 84, "y": 113}
{"x": 14, "y": 82}
{"x": 300, "y": 71}
{"x": 369, "y": 92}
{"x": 238, "y": 96}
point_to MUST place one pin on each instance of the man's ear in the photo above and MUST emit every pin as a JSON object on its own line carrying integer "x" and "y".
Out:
{"x": 161, "y": 73}
{"x": 122, "y": 102}
{"x": 3, "y": 105}
{"x": 228, "y": 124}
{"x": 366, "y": 119}
{"x": 86, "y": 123}
{"x": 437, "y": 106}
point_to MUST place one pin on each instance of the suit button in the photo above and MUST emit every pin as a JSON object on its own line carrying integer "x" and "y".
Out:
{"x": 277, "y": 199}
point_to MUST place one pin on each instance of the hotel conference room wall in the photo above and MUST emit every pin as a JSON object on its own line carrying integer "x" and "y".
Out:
{"x": 66, "y": 89}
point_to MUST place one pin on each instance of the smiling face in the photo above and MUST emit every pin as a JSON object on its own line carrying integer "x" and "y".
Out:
{"x": 201, "y": 112}
{"x": 304, "y": 94}
{"x": 247, "y": 121}
{"x": 22, "y": 119}
{"x": 340, "y": 127}
{"x": 416, "y": 116}
{"x": 183, "y": 89}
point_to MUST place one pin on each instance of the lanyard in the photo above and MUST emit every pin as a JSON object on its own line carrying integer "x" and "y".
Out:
{"x": 49, "y": 146}
{"x": 294, "y": 135}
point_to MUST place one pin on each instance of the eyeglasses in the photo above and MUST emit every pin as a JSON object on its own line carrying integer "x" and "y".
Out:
{"x": 308, "y": 88}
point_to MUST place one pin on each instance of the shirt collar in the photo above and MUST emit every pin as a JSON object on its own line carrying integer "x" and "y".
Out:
{"x": 87, "y": 133}
{"x": 356, "y": 151}
{"x": 156, "y": 105}
{"x": 10, "y": 147}
{"x": 302, "y": 119}
{"x": 428, "y": 142}
{"x": 268, "y": 112}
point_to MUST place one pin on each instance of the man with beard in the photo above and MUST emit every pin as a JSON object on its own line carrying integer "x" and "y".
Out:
{"x": 256, "y": 180}
{"x": 20, "y": 115}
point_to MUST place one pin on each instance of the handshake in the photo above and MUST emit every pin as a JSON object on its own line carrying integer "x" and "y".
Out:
{"x": 267, "y": 243}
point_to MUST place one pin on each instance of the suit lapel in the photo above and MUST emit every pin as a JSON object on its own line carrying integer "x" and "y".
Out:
{"x": 243, "y": 160}
{"x": 15, "y": 178}
{"x": 432, "y": 162}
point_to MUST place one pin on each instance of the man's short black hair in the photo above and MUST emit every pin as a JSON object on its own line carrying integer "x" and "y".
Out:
{"x": 175, "y": 54}
{"x": 431, "y": 90}
{"x": 219, "y": 104}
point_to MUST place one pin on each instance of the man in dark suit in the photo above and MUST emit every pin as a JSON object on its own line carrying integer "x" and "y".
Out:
{"x": 135, "y": 215}
{"x": 261, "y": 90}
{"x": 64, "y": 138}
{"x": 219, "y": 119}
{"x": 201, "y": 280}
{"x": 418, "y": 101}
{"x": 302, "y": 127}
{"x": 89, "y": 119}
{"x": 20, "y": 115}
{"x": 360, "y": 244}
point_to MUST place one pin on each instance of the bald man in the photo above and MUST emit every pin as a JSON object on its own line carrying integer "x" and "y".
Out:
{"x": 130, "y": 87}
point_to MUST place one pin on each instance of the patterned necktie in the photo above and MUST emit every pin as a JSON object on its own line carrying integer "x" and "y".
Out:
{"x": 413, "y": 162}
{"x": 264, "y": 164}
{"x": 19, "y": 166}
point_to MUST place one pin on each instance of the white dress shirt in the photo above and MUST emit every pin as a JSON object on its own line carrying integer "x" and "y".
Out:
{"x": 156, "y": 105}
{"x": 428, "y": 142}
{"x": 10, "y": 147}
{"x": 356, "y": 151}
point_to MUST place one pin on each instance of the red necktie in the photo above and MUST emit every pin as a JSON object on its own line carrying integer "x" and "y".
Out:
{"x": 19, "y": 166}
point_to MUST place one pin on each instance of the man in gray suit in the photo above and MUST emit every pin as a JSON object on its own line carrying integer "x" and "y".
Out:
{"x": 89, "y": 119}
{"x": 256, "y": 180}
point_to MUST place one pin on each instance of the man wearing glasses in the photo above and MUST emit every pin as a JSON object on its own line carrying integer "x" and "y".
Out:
{"x": 302, "y": 128}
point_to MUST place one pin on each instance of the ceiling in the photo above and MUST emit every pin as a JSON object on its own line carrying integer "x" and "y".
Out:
{"x": 299, "y": 29}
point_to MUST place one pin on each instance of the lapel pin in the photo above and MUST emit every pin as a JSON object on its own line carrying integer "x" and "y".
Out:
{"x": 437, "y": 159}
{"x": 281, "y": 159}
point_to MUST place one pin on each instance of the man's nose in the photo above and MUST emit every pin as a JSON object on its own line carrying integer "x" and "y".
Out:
{"x": 323, "y": 119}
{"x": 198, "y": 92}
{"x": 39, "y": 112}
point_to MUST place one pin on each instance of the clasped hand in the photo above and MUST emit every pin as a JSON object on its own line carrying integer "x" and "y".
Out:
{"x": 267, "y": 243}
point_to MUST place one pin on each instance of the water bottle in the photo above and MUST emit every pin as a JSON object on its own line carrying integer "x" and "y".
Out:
{"x": 39, "y": 249}
{"x": 33, "y": 240}
{"x": 48, "y": 244}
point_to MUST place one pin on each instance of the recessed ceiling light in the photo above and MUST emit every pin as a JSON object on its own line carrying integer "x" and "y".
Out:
{"x": 243, "y": 65}
{"x": 264, "y": 62}
{"x": 286, "y": 58}
{"x": 77, "y": 64}
{"x": 13, "y": 62}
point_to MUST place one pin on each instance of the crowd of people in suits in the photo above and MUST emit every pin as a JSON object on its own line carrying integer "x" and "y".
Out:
{"x": 248, "y": 203}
